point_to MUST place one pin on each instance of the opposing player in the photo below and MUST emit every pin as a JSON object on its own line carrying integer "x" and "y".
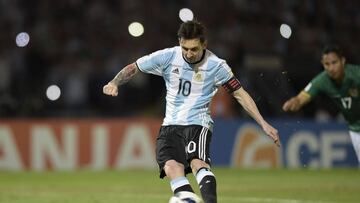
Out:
{"x": 192, "y": 76}
{"x": 341, "y": 83}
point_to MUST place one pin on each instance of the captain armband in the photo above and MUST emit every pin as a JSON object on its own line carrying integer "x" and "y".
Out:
{"x": 232, "y": 85}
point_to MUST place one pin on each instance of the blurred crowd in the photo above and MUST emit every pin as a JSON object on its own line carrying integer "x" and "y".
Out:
{"x": 80, "y": 45}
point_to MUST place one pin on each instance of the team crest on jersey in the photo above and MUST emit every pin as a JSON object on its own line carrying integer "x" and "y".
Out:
{"x": 198, "y": 77}
{"x": 353, "y": 92}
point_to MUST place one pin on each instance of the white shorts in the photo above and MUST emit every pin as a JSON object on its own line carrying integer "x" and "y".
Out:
{"x": 355, "y": 139}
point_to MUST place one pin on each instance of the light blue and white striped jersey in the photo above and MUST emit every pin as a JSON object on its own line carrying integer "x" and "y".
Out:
{"x": 189, "y": 87}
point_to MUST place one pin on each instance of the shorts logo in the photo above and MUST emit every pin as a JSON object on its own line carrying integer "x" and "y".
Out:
{"x": 252, "y": 148}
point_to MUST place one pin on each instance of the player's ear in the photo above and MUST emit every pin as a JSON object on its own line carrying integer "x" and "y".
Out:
{"x": 343, "y": 60}
{"x": 205, "y": 44}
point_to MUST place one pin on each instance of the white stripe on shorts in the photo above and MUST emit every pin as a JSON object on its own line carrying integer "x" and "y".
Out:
{"x": 355, "y": 138}
{"x": 202, "y": 144}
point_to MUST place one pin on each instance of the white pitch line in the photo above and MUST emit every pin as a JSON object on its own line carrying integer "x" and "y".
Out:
{"x": 238, "y": 199}
{"x": 269, "y": 200}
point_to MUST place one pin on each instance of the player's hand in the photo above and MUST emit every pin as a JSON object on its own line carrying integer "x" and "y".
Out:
{"x": 272, "y": 133}
{"x": 292, "y": 104}
{"x": 110, "y": 89}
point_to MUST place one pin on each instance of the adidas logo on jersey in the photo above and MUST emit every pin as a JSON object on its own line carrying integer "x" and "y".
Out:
{"x": 176, "y": 70}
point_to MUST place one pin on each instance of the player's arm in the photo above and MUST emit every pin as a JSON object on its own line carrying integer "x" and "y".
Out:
{"x": 250, "y": 107}
{"x": 122, "y": 77}
{"x": 297, "y": 102}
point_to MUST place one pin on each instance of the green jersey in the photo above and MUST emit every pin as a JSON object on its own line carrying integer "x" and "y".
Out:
{"x": 345, "y": 95}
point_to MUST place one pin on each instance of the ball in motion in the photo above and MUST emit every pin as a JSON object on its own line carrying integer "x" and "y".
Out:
{"x": 185, "y": 197}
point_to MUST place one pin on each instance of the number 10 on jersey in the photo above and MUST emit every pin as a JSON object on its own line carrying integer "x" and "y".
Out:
{"x": 184, "y": 87}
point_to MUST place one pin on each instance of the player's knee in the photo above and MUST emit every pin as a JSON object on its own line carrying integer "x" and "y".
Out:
{"x": 197, "y": 164}
{"x": 173, "y": 169}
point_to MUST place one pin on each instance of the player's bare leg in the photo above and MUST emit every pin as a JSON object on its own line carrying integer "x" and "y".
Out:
{"x": 206, "y": 180}
{"x": 175, "y": 172}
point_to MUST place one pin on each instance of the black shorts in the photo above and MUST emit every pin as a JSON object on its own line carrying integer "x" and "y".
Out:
{"x": 183, "y": 144}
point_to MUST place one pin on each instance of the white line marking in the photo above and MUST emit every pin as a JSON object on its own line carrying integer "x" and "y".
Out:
{"x": 275, "y": 200}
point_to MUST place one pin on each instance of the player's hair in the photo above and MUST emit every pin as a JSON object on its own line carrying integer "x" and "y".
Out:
{"x": 192, "y": 30}
{"x": 332, "y": 49}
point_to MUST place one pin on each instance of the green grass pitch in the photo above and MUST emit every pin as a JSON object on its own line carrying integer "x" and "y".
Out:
{"x": 141, "y": 186}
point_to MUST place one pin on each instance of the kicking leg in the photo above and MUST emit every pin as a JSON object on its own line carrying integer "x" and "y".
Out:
{"x": 206, "y": 180}
{"x": 175, "y": 172}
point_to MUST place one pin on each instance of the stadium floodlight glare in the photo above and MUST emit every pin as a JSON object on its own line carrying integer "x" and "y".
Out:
{"x": 53, "y": 92}
{"x": 285, "y": 31}
{"x": 186, "y": 14}
{"x": 22, "y": 39}
{"x": 136, "y": 29}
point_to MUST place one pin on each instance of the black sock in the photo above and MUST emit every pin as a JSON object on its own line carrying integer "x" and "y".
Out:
{"x": 207, "y": 184}
{"x": 184, "y": 188}
{"x": 180, "y": 184}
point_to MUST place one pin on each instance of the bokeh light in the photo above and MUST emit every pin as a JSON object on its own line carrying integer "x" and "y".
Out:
{"x": 285, "y": 31}
{"x": 22, "y": 39}
{"x": 186, "y": 14}
{"x": 53, "y": 92}
{"x": 136, "y": 29}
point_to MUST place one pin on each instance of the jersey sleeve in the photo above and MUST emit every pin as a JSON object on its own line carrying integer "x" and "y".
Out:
{"x": 356, "y": 72}
{"x": 224, "y": 74}
{"x": 314, "y": 86}
{"x": 154, "y": 63}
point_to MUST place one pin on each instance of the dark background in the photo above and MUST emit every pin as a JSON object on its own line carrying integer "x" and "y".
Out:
{"x": 80, "y": 45}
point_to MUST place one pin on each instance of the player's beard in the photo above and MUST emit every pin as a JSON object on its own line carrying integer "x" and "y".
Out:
{"x": 191, "y": 60}
{"x": 336, "y": 75}
{"x": 194, "y": 59}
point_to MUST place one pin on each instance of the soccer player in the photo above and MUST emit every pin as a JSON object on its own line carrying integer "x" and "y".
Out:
{"x": 341, "y": 83}
{"x": 192, "y": 76}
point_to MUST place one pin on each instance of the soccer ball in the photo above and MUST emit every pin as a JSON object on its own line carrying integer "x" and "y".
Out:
{"x": 185, "y": 197}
